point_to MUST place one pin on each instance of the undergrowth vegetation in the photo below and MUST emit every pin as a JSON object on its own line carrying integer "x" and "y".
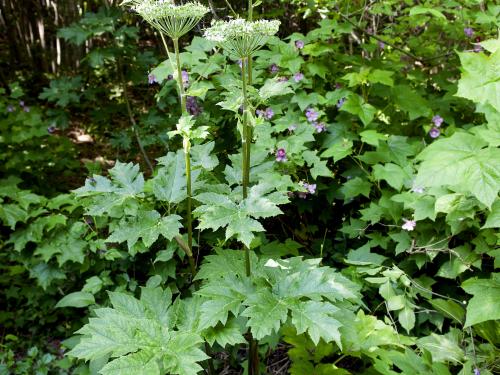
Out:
{"x": 294, "y": 187}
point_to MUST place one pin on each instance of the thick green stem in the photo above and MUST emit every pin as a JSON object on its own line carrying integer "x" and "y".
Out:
{"x": 253, "y": 354}
{"x": 244, "y": 134}
{"x": 187, "y": 159}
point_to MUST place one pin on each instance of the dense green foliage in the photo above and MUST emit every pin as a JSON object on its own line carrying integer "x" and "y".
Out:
{"x": 364, "y": 239}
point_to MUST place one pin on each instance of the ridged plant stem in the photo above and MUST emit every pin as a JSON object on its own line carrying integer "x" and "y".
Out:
{"x": 187, "y": 158}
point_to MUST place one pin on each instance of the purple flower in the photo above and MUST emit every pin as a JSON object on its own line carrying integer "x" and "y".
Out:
{"x": 311, "y": 115}
{"x": 152, "y": 79}
{"x": 185, "y": 76}
{"x": 409, "y": 225}
{"x": 434, "y": 133}
{"x": 282, "y": 79}
{"x": 469, "y": 32}
{"x": 298, "y": 77}
{"x": 311, "y": 188}
{"x": 274, "y": 68}
{"x": 268, "y": 113}
{"x": 477, "y": 48}
{"x": 476, "y": 371}
{"x": 381, "y": 44}
{"x": 281, "y": 155}
{"x": 240, "y": 63}
{"x": 437, "y": 120}
{"x": 299, "y": 44}
{"x": 51, "y": 129}
{"x": 192, "y": 106}
{"x": 10, "y": 108}
{"x": 21, "y": 103}
{"x": 292, "y": 128}
{"x": 320, "y": 127}
{"x": 26, "y": 109}
{"x": 340, "y": 103}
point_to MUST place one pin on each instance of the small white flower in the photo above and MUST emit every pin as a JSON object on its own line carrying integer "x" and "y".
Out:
{"x": 409, "y": 225}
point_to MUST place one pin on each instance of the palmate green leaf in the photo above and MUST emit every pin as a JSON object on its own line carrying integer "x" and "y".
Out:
{"x": 279, "y": 290}
{"x": 266, "y": 313}
{"x": 444, "y": 348}
{"x": 231, "y": 333}
{"x": 273, "y": 87}
{"x": 463, "y": 162}
{"x": 485, "y": 303}
{"x": 45, "y": 274}
{"x": 395, "y": 176}
{"x": 354, "y": 187}
{"x": 107, "y": 195}
{"x": 170, "y": 183}
{"x": 480, "y": 81}
{"x": 357, "y": 106}
{"x": 493, "y": 219}
{"x": 147, "y": 225}
{"x": 238, "y": 217}
{"x": 410, "y": 101}
{"x": 139, "y": 336}
{"x": 316, "y": 318}
{"x": 139, "y": 363}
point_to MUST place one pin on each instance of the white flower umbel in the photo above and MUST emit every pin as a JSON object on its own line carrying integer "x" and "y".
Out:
{"x": 241, "y": 38}
{"x": 168, "y": 18}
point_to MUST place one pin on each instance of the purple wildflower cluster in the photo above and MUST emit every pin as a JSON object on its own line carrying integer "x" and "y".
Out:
{"x": 312, "y": 116}
{"x": 268, "y": 113}
{"x": 281, "y": 155}
{"x": 310, "y": 189}
{"x": 274, "y": 68}
{"x": 192, "y": 106}
{"x": 469, "y": 32}
{"x": 299, "y": 44}
{"x": 437, "y": 120}
{"x": 297, "y": 77}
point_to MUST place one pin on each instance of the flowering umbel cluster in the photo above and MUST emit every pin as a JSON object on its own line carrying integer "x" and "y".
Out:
{"x": 168, "y": 18}
{"x": 241, "y": 38}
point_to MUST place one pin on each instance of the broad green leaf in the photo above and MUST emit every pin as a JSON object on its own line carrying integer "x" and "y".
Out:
{"x": 139, "y": 363}
{"x": 485, "y": 303}
{"x": 450, "y": 308}
{"x": 357, "y": 106}
{"x": 363, "y": 256}
{"x": 266, "y": 313}
{"x": 231, "y": 333}
{"x": 170, "y": 182}
{"x": 316, "y": 318}
{"x": 480, "y": 81}
{"x": 444, "y": 348}
{"x": 416, "y": 10}
{"x": 392, "y": 173}
{"x": 406, "y": 318}
{"x": 147, "y": 225}
{"x": 463, "y": 162}
{"x": 410, "y": 101}
{"x": 338, "y": 150}
{"x": 76, "y": 299}
{"x": 493, "y": 219}
{"x": 46, "y": 274}
{"x": 354, "y": 187}
{"x": 273, "y": 87}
